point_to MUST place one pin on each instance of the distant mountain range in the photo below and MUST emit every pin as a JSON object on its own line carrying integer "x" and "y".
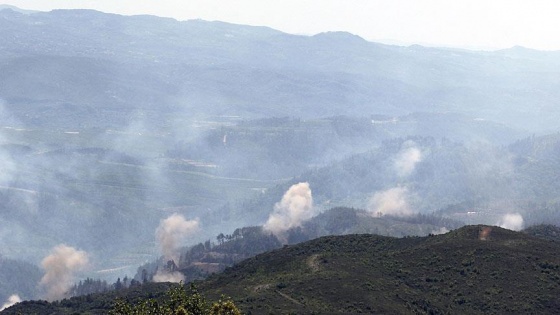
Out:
{"x": 110, "y": 63}
{"x": 16, "y": 9}
{"x": 110, "y": 124}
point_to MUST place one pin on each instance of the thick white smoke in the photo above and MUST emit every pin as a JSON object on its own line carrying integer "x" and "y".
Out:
{"x": 13, "y": 299}
{"x": 172, "y": 232}
{"x": 394, "y": 201}
{"x": 511, "y": 221}
{"x": 408, "y": 157}
{"x": 441, "y": 230}
{"x": 167, "y": 276}
{"x": 295, "y": 208}
{"x": 390, "y": 202}
{"x": 60, "y": 269}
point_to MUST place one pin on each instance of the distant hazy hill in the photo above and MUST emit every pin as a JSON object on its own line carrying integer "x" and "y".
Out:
{"x": 471, "y": 270}
{"x": 16, "y": 9}
{"x": 545, "y": 231}
{"x": 490, "y": 180}
{"x": 19, "y": 278}
{"x": 110, "y": 62}
{"x": 109, "y": 124}
{"x": 198, "y": 261}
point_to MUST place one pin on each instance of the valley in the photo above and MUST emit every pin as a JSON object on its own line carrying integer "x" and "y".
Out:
{"x": 147, "y": 148}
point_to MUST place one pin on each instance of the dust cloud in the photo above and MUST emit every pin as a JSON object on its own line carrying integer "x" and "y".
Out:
{"x": 60, "y": 269}
{"x": 295, "y": 208}
{"x": 392, "y": 202}
{"x": 408, "y": 157}
{"x": 13, "y": 299}
{"x": 172, "y": 232}
{"x": 511, "y": 221}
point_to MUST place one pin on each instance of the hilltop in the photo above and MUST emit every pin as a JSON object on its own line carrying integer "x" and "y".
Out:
{"x": 97, "y": 65}
{"x": 471, "y": 270}
{"x": 110, "y": 124}
{"x": 461, "y": 272}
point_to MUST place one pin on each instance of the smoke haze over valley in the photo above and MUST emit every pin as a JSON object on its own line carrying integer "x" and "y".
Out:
{"x": 128, "y": 143}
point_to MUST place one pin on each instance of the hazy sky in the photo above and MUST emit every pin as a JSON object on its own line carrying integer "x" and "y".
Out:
{"x": 481, "y": 24}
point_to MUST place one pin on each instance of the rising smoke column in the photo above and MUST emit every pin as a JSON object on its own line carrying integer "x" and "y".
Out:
{"x": 394, "y": 201}
{"x": 441, "y": 230}
{"x": 170, "y": 235}
{"x": 390, "y": 202}
{"x": 295, "y": 208}
{"x": 60, "y": 269}
{"x": 408, "y": 157}
{"x": 13, "y": 299}
{"x": 168, "y": 276}
{"x": 511, "y": 221}
{"x": 172, "y": 232}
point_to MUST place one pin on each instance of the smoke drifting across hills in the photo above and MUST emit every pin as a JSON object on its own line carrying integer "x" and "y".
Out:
{"x": 114, "y": 94}
{"x": 295, "y": 208}
{"x": 395, "y": 201}
{"x": 13, "y": 299}
{"x": 168, "y": 276}
{"x": 170, "y": 236}
{"x": 172, "y": 232}
{"x": 408, "y": 157}
{"x": 511, "y": 221}
{"x": 391, "y": 202}
{"x": 60, "y": 269}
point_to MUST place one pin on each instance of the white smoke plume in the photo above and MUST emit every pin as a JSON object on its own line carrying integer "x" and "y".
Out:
{"x": 60, "y": 269}
{"x": 295, "y": 208}
{"x": 441, "y": 230}
{"x": 13, "y": 299}
{"x": 511, "y": 221}
{"x": 167, "y": 276}
{"x": 390, "y": 202}
{"x": 172, "y": 232}
{"x": 408, "y": 157}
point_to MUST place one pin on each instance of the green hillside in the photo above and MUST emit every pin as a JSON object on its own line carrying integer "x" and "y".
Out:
{"x": 471, "y": 270}
{"x": 456, "y": 273}
{"x": 111, "y": 124}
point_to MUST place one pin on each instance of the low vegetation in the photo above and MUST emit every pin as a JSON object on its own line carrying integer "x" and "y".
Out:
{"x": 150, "y": 298}
{"x": 470, "y": 270}
{"x": 461, "y": 272}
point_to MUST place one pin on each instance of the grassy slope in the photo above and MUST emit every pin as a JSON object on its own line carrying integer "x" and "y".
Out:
{"x": 452, "y": 273}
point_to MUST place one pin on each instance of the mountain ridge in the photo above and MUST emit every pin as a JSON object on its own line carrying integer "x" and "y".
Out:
{"x": 434, "y": 274}
{"x": 110, "y": 124}
{"x": 469, "y": 270}
{"x": 337, "y": 70}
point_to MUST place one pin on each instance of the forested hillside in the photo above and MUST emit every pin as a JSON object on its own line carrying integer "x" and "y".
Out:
{"x": 466, "y": 271}
{"x": 471, "y": 270}
{"x": 18, "y": 278}
{"x": 130, "y": 141}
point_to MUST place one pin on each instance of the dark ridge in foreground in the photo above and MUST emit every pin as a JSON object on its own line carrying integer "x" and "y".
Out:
{"x": 471, "y": 270}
